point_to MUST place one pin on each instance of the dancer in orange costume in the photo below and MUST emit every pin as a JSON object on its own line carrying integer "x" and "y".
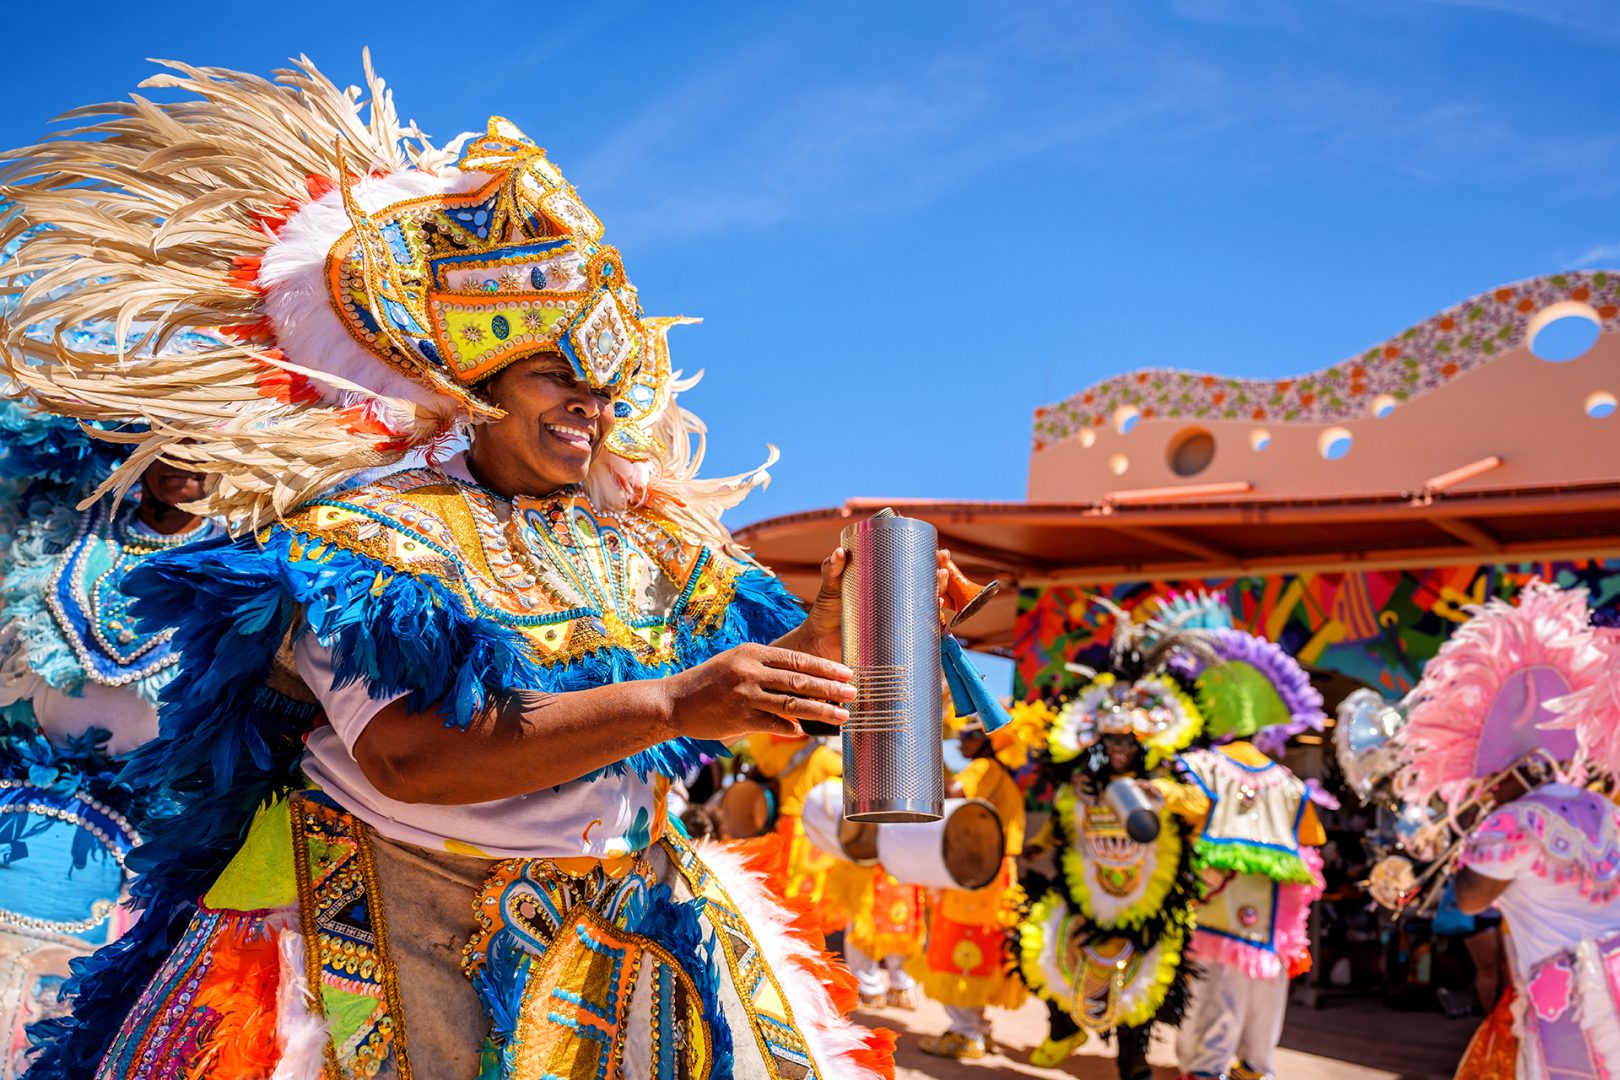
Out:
{"x": 969, "y": 964}
{"x": 888, "y": 930}
{"x": 797, "y": 765}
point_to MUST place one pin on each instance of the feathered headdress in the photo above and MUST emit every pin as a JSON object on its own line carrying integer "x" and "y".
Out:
{"x": 362, "y": 282}
{"x": 1247, "y": 687}
{"x": 1486, "y": 699}
{"x": 1144, "y": 692}
{"x": 1592, "y": 710}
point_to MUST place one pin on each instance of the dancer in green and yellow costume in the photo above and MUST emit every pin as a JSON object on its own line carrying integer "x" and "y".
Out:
{"x": 1104, "y": 944}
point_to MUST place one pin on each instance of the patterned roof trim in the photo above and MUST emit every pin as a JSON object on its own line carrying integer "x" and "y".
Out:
{"x": 1424, "y": 358}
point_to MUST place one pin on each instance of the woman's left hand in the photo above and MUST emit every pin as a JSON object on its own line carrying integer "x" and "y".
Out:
{"x": 825, "y": 623}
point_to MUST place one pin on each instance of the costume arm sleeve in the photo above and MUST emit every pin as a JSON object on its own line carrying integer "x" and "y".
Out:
{"x": 1186, "y": 801}
{"x": 1501, "y": 847}
{"x": 349, "y": 709}
{"x": 976, "y": 779}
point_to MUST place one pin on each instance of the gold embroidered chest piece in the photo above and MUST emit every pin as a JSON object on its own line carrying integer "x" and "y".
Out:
{"x": 570, "y": 578}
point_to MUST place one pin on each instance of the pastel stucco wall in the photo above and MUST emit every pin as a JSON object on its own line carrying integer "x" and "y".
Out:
{"x": 1462, "y": 386}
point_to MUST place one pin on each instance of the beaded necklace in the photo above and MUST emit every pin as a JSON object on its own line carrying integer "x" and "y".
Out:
{"x": 89, "y": 605}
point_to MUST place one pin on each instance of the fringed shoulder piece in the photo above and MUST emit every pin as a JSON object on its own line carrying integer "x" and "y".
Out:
{"x": 1255, "y": 812}
{"x": 426, "y": 586}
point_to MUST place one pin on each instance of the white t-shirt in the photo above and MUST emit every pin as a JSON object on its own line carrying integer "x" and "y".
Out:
{"x": 615, "y": 815}
{"x": 1552, "y": 845}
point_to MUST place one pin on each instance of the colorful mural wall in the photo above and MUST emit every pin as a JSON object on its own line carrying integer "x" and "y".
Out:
{"x": 1377, "y": 626}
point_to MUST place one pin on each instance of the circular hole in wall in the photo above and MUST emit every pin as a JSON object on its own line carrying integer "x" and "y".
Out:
{"x": 1259, "y": 439}
{"x": 1125, "y": 418}
{"x": 1334, "y": 443}
{"x": 1600, "y": 404}
{"x": 1118, "y": 464}
{"x": 1383, "y": 405}
{"x": 1087, "y": 437}
{"x": 1191, "y": 451}
{"x": 1563, "y": 331}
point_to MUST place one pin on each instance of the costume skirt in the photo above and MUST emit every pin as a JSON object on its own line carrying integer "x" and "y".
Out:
{"x": 61, "y": 876}
{"x": 970, "y": 961}
{"x": 1569, "y": 1014}
{"x": 326, "y": 951}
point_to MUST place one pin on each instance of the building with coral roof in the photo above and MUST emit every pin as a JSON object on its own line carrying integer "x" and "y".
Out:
{"x": 1350, "y": 513}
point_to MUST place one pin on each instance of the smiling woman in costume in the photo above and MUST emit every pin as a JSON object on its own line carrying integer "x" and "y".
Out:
{"x": 423, "y": 725}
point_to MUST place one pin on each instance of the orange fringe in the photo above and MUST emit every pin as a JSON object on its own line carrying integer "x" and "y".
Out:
{"x": 1493, "y": 1052}
{"x": 243, "y": 976}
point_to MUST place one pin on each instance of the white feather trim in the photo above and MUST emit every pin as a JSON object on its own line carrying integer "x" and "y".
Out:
{"x": 1529, "y": 1058}
{"x": 292, "y": 272}
{"x": 1595, "y": 1000}
{"x": 833, "y": 1038}
{"x": 301, "y": 1034}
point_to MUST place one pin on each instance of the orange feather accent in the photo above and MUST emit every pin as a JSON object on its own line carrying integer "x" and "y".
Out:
{"x": 245, "y": 272}
{"x": 286, "y": 386}
{"x": 258, "y": 330}
{"x": 319, "y": 186}
{"x": 879, "y": 1053}
{"x": 244, "y": 972}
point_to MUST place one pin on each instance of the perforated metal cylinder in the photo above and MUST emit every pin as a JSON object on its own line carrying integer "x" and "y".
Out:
{"x": 894, "y": 766}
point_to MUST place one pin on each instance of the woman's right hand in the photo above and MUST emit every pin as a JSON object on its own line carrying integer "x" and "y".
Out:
{"x": 757, "y": 688}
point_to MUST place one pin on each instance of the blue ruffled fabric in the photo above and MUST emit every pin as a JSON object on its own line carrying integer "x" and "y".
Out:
{"x": 41, "y": 446}
{"x": 77, "y": 764}
{"x": 228, "y": 745}
{"x": 29, "y": 563}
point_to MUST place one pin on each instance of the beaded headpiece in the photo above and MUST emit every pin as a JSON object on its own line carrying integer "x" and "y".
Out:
{"x": 1141, "y": 693}
{"x": 452, "y": 288}
{"x": 1154, "y": 708}
{"x": 360, "y": 282}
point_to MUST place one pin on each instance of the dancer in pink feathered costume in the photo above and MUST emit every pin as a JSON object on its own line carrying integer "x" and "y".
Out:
{"x": 1515, "y": 724}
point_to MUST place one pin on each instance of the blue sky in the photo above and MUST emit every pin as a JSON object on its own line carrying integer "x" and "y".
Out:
{"x": 908, "y": 224}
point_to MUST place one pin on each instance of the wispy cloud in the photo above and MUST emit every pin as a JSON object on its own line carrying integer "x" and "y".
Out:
{"x": 1601, "y": 256}
{"x": 760, "y": 139}
{"x": 1592, "y": 16}
{"x": 1275, "y": 14}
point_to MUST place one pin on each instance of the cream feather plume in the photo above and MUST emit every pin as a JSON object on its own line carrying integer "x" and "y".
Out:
{"x": 152, "y": 213}
{"x": 212, "y": 216}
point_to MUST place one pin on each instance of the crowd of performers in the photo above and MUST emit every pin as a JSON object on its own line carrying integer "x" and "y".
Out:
{"x": 371, "y": 653}
{"x": 1182, "y": 902}
{"x": 1188, "y": 906}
